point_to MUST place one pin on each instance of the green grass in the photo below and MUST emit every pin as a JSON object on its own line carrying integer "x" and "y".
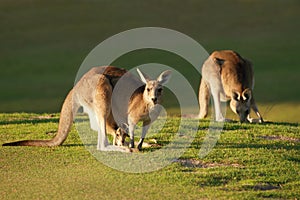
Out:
{"x": 249, "y": 161}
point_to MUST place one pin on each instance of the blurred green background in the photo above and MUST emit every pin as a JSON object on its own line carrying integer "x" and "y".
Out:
{"x": 43, "y": 43}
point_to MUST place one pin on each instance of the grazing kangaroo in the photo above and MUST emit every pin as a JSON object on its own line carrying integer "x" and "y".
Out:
{"x": 93, "y": 92}
{"x": 228, "y": 76}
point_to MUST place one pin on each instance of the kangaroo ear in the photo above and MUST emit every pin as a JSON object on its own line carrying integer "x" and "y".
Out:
{"x": 247, "y": 94}
{"x": 236, "y": 96}
{"x": 219, "y": 61}
{"x": 164, "y": 77}
{"x": 144, "y": 77}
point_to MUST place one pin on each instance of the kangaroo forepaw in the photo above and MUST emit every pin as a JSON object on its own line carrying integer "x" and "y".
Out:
{"x": 253, "y": 120}
{"x": 260, "y": 120}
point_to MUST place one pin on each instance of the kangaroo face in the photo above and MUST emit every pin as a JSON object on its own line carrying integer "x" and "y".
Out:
{"x": 241, "y": 104}
{"x": 153, "y": 92}
{"x": 120, "y": 136}
{"x": 153, "y": 89}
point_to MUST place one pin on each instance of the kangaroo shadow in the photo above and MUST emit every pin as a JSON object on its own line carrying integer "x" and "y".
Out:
{"x": 30, "y": 121}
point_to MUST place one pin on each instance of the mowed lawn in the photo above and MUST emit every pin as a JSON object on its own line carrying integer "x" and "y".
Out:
{"x": 43, "y": 45}
{"x": 249, "y": 161}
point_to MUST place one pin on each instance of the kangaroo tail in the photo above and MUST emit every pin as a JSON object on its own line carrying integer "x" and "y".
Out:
{"x": 68, "y": 111}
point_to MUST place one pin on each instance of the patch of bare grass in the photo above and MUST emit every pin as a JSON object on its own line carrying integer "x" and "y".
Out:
{"x": 279, "y": 137}
{"x": 194, "y": 163}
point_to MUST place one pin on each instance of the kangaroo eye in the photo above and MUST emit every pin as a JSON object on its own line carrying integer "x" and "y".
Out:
{"x": 148, "y": 89}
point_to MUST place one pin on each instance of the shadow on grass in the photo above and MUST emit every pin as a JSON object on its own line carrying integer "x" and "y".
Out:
{"x": 276, "y": 145}
{"x": 293, "y": 159}
{"x": 281, "y": 123}
{"x": 215, "y": 181}
{"x": 30, "y": 121}
{"x": 235, "y": 125}
{"x": 75, "y": 145}
{"x": 227, "y": 126}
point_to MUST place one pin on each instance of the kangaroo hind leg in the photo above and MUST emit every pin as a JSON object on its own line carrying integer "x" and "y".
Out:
{"x": 217, "y": 92}
{"x": 102, "y": 107}
{"x": 204, "y": 96}
{"x": 211, "y": 75}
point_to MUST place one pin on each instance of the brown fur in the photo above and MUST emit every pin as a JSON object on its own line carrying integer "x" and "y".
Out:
{"x": 228, "y": 76}
{"x": 143, "y": 104}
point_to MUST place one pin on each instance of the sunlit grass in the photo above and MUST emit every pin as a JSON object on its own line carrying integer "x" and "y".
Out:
{"x": 248, "y": 161}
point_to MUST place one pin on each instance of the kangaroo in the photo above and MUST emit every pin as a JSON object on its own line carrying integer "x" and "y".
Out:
{"x": 143, "y": 104}
{"x": 93, "y": 92}
{"x": 228, "y": 76}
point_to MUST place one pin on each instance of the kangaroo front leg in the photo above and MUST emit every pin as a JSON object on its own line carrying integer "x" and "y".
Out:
{"x": 102, "y": 107}
{"x": 103, "y": 144}
{"x": 146, "y": 126}
{"x": 131, "y": 133}
{"x": 255, "y": 109}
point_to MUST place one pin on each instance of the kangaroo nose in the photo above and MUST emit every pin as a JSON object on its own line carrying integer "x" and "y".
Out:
{"x": 154, "y": 100}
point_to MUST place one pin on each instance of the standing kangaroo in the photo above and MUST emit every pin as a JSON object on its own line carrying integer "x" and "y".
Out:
{"x": 142, "y": 105}
{"x": 94, "y": 92}
{"x": 228, "y": 76}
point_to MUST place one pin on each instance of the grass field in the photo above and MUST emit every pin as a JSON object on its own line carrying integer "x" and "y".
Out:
{"x": 250, "y": 161}
{"x": 43, "y": 44}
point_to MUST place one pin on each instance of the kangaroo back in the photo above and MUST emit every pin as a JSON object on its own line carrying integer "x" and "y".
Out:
{"x": 236, "y": 72}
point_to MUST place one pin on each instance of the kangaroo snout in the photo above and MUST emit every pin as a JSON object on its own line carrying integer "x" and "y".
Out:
{"x": 154, "y": 99}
